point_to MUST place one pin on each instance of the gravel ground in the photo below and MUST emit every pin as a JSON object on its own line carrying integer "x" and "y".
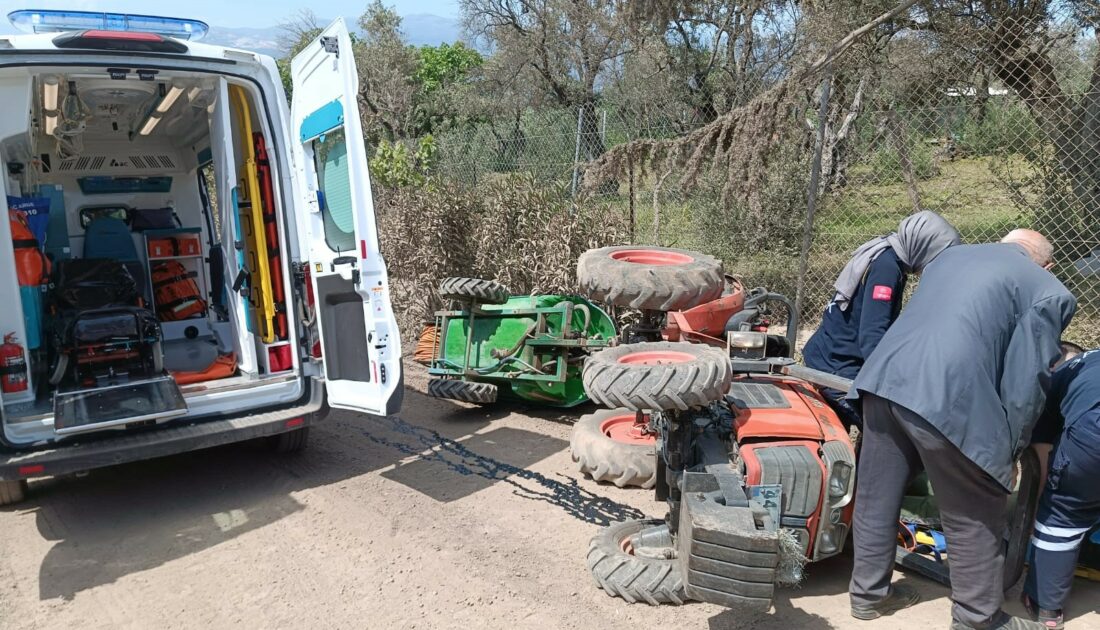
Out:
{"x": 446, "y": 516}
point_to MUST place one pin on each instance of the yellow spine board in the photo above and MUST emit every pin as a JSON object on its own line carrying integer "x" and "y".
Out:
{"x": 252, "y": 224}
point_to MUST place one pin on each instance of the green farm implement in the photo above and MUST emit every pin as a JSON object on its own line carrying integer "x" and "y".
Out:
{"x": 530, "y": 347}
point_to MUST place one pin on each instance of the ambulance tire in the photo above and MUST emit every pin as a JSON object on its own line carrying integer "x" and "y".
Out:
{"x": 290, "y": 442}
{"x": 12, "y": 491}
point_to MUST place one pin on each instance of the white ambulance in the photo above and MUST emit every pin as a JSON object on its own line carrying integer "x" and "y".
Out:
{"x": 188, "y": 262}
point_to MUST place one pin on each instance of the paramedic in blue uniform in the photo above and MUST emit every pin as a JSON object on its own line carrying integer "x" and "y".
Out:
{"x": 1070, "y": 504}
{"x": 868, "y": 299}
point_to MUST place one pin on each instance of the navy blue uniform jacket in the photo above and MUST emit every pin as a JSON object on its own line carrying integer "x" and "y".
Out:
{"x": 1074, "y": 391}
{"x": 846, "y": 338}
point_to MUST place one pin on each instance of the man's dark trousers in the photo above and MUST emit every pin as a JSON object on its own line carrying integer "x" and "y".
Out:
{"x": 898, "y": 444}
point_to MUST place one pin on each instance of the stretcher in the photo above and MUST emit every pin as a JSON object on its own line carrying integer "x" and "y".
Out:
{"x": 250, "y": 206}
{"x": 271, "y": 235}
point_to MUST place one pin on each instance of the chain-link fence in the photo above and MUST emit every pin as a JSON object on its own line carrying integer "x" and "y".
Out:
{"x": 1002, "y": 131}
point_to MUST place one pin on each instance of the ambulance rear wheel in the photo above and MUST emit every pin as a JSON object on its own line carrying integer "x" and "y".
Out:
{"x": 12, "y": 491}
{"x": 291, "y": 441}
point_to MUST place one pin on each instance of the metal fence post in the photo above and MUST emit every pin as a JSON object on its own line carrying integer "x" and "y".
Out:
{"x": 811, "y": 201}
{"x": 577, "y": 152}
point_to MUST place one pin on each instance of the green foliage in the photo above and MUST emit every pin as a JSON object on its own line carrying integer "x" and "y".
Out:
{"x": 886, "y": 164}
{"x": 395, "y": 166}
{"x": 445, "y": 64}
{"x": 1003, "y": 128}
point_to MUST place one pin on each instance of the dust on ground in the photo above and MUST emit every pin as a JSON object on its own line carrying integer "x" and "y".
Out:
{"x": 445, "y": 516}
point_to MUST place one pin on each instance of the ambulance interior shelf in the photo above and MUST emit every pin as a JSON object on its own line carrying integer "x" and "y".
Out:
{"x": 178, "y": 277}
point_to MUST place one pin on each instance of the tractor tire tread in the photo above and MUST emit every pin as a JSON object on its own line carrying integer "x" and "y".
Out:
{"x": 629, "y": 577}
{"x": 604, "y": 459}
{"x": 465, "y": 391}
{"x": 649, "y": 287}
{"x": 668, "y": 386}
{"x": 474, "y": 289}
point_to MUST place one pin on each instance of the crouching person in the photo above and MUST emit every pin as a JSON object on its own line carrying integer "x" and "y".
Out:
{"x": 868, "y": 299}
{"x": 1070, "y": 504}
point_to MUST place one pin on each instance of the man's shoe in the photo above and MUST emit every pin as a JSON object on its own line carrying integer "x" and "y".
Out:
{"x": 1004, "y": 622}
{"x": 901, "y": 596}
{"x": 1050, "y": 619}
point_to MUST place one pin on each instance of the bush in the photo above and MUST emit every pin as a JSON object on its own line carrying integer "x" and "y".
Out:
{"x": 396, "y": 166}
{"x": 886, "y": 167}
{"x": 1006, "y": 128}
{"x": 525, "y": 234}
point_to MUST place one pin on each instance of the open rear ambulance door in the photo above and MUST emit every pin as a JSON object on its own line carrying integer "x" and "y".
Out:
{"x": 361, "y": 346}
{"x": 225, "y": 183}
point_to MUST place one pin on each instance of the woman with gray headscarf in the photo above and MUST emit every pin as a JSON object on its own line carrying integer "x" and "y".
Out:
{"x": 867, "y": 299}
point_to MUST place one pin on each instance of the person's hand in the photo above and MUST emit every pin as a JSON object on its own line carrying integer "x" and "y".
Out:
{"x": 1043, "y": 452}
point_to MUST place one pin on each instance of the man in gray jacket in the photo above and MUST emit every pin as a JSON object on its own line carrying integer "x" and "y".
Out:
{"x": 954, "y": 388}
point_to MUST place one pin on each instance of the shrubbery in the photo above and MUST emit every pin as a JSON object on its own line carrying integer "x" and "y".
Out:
{"x": 513, "y": 229}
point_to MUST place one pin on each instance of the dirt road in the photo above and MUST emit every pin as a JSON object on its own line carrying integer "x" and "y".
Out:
{"x": 443, "y": 517}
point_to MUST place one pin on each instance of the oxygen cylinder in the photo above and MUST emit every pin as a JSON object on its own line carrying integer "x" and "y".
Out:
{"x": 13, "y": 366}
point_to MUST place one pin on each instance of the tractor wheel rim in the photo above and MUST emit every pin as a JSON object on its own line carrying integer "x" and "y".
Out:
{"x": 656, "y": 257}
{"x": 625, "y": 430}
{"x": 655, "y": 357}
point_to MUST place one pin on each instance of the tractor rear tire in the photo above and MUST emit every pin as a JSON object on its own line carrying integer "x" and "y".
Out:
{"x": 635, "y": 579}
{"x": 604, "y": 458}
{"x": 466, "y": 391}
{"x": 649, "y": 278}
{"x": 12, "y": 491}
{"x": 474, "y": 289}
{"x": 657, "y": 376}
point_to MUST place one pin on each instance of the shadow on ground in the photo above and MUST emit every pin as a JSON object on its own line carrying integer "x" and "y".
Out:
{"x": 130, "y": 518}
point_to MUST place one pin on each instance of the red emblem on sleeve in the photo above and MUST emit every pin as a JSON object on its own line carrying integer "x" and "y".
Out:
{"x": 882, "y": 292}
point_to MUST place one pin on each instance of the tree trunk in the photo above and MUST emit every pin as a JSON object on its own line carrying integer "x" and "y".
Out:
{"x": 901, "y": 145}
{"x": 835, "y": 153}
{"x": 1072, "y": 127}
{"x": 591, "y": 139}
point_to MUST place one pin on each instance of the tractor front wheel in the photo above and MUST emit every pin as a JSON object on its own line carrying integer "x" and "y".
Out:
{"x": 621, "y": 573}
{"x": 657, "y": 376}
{"x": 610, "y": 445}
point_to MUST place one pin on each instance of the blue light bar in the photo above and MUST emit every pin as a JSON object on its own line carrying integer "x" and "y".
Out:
{"x": 36, "y": 21}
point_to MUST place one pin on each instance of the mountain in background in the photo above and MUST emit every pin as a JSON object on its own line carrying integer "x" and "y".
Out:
{"x": 420, "y": 29}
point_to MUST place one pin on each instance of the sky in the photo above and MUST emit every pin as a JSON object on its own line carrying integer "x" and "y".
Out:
{"x": 236, "y": 14}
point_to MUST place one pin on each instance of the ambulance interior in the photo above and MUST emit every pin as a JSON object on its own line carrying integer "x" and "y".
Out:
{"x": 158, "y": 178}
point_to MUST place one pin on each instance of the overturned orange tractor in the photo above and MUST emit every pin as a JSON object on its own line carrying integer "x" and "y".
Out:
{"x": 706, "y": 407}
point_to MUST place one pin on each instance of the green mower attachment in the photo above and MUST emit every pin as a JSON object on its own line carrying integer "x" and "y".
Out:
{"x": 531, "y": 346}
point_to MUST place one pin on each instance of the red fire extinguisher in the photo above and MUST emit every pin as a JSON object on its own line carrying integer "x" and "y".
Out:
{"x": 13, "y": 366}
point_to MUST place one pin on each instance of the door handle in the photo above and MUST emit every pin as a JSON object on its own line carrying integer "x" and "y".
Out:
{"x": 343, "y": 260}
{"x": 348, "y": 260}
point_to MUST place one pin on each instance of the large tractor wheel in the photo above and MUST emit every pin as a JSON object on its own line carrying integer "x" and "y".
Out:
{"x": 649, "y": 278}
{"x": 609, "y": 446}
{"x": 620, "y": 573}
{"x": 475, "y": 289}
{"x": 466, "y": 391}
{"x": 657, "y": 376}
